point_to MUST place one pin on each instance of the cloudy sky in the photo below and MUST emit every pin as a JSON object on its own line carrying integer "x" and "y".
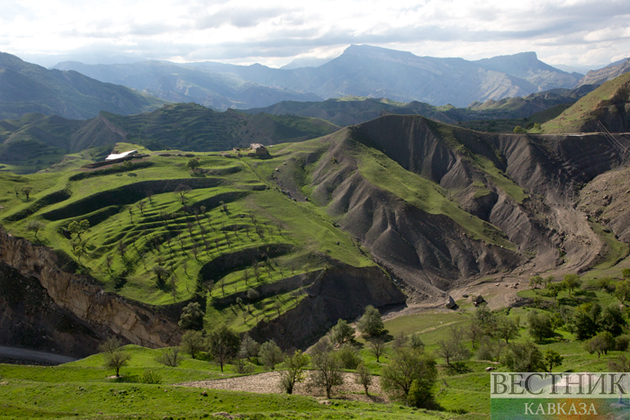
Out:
{"x": 578, "y": 33}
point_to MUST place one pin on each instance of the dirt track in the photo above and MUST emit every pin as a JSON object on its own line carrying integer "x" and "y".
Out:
{"x": 269, "y": 382}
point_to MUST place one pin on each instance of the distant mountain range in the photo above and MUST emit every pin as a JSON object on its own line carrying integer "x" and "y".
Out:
{"x": 360, "y": 71}
{"x": 27, "y": 88}
{"x": 599, "y": 77}
{"x": 355, "y": 110}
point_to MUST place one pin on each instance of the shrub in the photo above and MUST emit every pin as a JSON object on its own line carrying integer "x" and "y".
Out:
{"x": 522, "y": 357}
{"x": 169, "y": 357}
{"x": 241, "y": 366}
{"x": 270, "y": 354}
{"x": 192, "y": 317}
{"x": 193, "y": 342}
{"x": 622, "y": 342}
{"x": 341, "y": 332}
{"x": 151, "y": 377}
{"x": 349, "y": 356}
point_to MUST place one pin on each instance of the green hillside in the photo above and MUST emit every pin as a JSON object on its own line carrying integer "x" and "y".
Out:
{"x": 35, "y": 141}
{"x": 605, "y": 104}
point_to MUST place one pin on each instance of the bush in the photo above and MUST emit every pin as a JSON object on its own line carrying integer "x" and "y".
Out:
{"x": 169, "y": 357}
{"x": 622, "y": 342}
{"x": 241, "y": 366}
{"x": 349, "y": 356}
{"x": 192, "y": 317}
{"x": 151, "y": 377}
{"x": 523, "y": 357}
{"x": 270, "y": 354}
{"x": 341, "y": 332}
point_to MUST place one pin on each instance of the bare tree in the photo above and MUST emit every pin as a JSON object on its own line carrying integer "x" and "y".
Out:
{"x": 377, "y": 347}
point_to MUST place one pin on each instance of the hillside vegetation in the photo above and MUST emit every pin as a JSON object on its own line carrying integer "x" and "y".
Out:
{"x": 35, "y": 141}
{"x": 607, "y": 104}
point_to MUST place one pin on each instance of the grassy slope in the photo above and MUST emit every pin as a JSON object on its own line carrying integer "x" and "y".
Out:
{"x": 84, "y": 390}
{"x": 162, "y": 234}
{"x": 572, "y": 120}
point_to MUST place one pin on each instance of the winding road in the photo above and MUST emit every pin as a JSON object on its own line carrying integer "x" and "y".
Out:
{"x": 16, "y": 353}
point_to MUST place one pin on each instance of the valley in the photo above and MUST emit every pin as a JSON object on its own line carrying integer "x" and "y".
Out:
{"x": 276, "y": 223}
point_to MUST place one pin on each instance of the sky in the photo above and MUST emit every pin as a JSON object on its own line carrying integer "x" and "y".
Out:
{"x": 578, "y": 33}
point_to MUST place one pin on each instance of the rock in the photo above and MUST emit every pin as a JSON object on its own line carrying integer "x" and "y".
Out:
{"x": 450, "y": 304}
{"x": 478, "y": 300}
{"x": 489, "y": 368}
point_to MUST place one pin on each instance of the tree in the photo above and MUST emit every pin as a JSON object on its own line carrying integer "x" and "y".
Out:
{"x": 519, "y": 130}
{"x": 585, "y": 320}
{"x": 536, "y": 281}
{"x": 327, "y": 371}
{"x": 485, "y": 318}
{"x": 341, "y": 332}
{"x": 294, "y": 371}
{"x": 612, "y": 320}
{"x": 415, "y": 342}
{"x": 115, "y": 356}
{"x": 224, "y": 345}
{"x": 571, "y": 282}
{"x": 552, "y": 358}
{"x": 371, "y": 323}
{"x": 602, "y": 343}
{"x": 78, "y": 227}
{"x": 191, "y": 317}
{"x": 406, "y": 367}
{"x": 110, "y": 345}
{"x": 540, "y": 326}
{"x": 193, "y": 342}
{"x": 377, "y": 347}
{"x": 506, "y": 328}
{"x": 622, "y": 291}
{"x": 400, "y": 341}
{"x": 169, "y": 357}
{"x": 453, "y": 348}
{"x": 522, "y": 357}
{"x": 193, "y": 164}
{"x": 474, "y": 332}
{"x": 249, "y": 348}
{"x": 270, "y": 354}
{"x": 363, "y": 377}
{"x": 141, "y": 204}
{"x": 161, "y": 274}
{"x": 35, "y": 226}
{"x": 554, "y": 289}
{"x": 625, "y": 273}
{"x": 116, "y": 360}
{"x": 182, "y": 190}
{"x": 27, "y": 191}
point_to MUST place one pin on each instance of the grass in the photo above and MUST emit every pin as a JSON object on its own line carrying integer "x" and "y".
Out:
{"x": 125, "y": 242}
{"x": 424, "y": 194}
{"x": 574, "y": 118}
{"x": 85, "y": 390}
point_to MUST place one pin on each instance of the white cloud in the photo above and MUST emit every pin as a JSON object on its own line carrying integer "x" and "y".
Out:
{"x": 274, "y": 32}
